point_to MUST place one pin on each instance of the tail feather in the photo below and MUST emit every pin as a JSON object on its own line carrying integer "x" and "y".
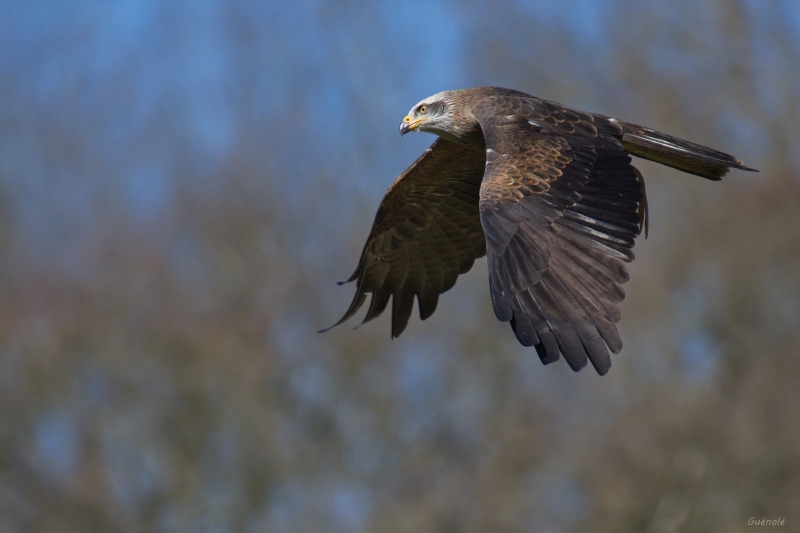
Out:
{"x": 678, "y": 153}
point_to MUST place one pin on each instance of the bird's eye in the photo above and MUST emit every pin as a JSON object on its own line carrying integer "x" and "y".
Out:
{"x": 423, "y": 109}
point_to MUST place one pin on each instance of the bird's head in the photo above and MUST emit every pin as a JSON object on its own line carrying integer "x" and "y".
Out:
{"x": 437, "y": 114}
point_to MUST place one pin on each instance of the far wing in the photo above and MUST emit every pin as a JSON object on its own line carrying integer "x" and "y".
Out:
{"x": 427, "y": 231}
{"x": 560, "y": 213}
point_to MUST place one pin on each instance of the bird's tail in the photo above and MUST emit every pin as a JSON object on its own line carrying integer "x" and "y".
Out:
{"x": 677, "y": 153}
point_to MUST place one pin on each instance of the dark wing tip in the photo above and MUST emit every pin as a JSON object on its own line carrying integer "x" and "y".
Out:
{"x": 602, "y": 370}
{"x": 402, "y": 306}
{"x": 355, "y": 305}
{"x": 353, "y": 277}
{"x": 329, "y": 327}
{"x": 545, "y": 356}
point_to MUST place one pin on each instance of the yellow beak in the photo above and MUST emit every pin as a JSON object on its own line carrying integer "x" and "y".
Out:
{"x": 409, "y": 125}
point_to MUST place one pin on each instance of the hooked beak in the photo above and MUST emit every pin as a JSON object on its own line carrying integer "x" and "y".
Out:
{"x": 409, "y": 125}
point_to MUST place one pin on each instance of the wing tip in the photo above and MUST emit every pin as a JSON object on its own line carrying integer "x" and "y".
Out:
{"x": 355, "y": 305}
{"x": 544, "y": 356}
{"x": 328, "y": 328}
{"x": 602, "y": 370}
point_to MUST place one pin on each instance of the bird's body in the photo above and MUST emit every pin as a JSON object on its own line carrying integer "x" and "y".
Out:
{"x": 548, "y": 193}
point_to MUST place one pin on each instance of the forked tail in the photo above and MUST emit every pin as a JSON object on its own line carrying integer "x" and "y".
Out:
{"x": 677, "y": 153}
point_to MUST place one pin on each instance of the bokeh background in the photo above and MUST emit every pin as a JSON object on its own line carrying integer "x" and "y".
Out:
{"x": 182, "y": 182}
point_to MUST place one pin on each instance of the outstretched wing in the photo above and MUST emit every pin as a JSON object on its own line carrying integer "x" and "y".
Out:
{"x": 559, "y": 206}
{"x": 427, "y": 231}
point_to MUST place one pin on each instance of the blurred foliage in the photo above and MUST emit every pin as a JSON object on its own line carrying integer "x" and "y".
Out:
{"x": 182, "y": 182}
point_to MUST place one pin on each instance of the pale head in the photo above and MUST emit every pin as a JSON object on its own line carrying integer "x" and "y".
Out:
{"x": 441, "y": 114}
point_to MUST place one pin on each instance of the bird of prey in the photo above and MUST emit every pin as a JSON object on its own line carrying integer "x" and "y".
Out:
{"x": 548, "y": 193}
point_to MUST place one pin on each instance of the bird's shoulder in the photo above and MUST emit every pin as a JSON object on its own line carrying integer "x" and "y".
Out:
{"x": 498, "y": 106}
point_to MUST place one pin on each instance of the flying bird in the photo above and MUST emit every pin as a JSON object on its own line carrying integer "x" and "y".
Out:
{"x": 546, "y": 192}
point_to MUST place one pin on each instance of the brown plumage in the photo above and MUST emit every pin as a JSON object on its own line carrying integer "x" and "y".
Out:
{"x": 547, "y": 192}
